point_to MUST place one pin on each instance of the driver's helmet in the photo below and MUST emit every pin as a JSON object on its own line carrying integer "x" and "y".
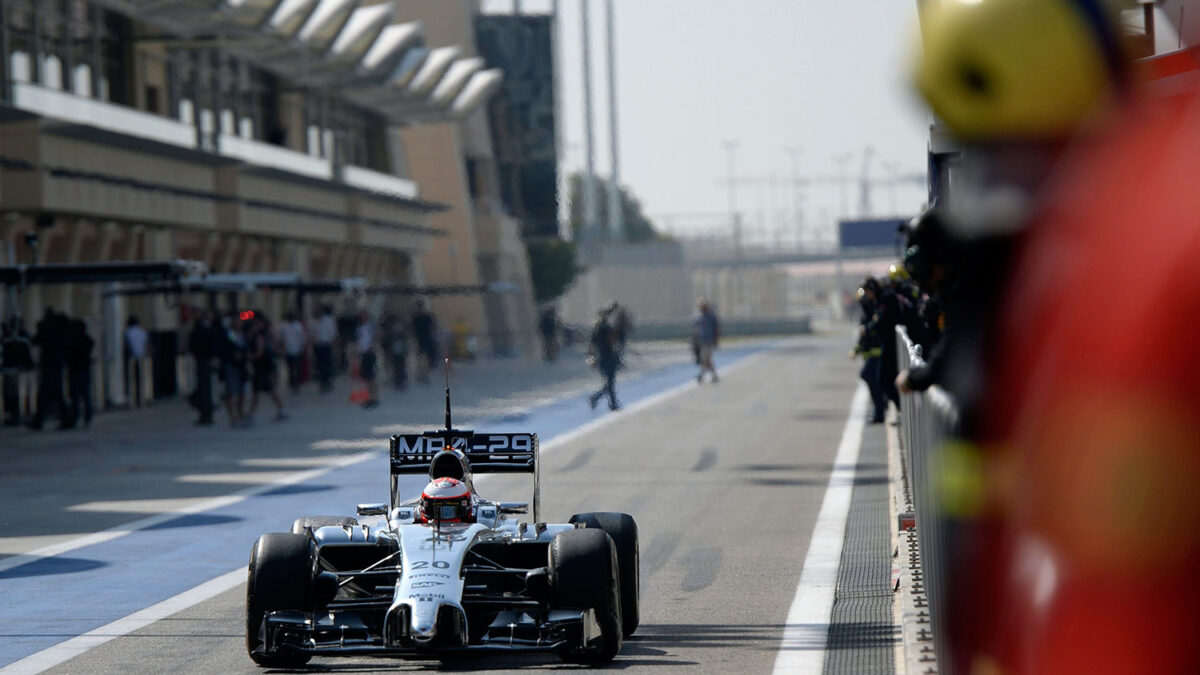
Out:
{"x": 446, "y": 500}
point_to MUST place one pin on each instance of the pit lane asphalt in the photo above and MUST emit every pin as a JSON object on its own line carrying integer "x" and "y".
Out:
{"x": 724, "y": 480}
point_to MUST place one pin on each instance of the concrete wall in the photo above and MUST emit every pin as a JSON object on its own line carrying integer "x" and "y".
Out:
{"x": 435, "y": 156}
{"x": 650, "y": 280}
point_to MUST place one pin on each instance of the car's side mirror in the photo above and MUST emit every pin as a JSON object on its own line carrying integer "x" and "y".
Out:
{"x": 372, "y": 509}
{"x": 514, "y": 507}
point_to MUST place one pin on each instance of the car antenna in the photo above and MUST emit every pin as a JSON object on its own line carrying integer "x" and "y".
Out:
{"x": 448, "y": 425}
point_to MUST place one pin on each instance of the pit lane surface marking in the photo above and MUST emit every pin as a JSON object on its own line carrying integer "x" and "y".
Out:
{"x": 561, "y": 427}
{"x": 109, "y": 534}
{"x": 807, "y": 628}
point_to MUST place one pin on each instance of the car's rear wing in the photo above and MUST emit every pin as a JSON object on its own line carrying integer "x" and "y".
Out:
{"x": 486, "y": 453}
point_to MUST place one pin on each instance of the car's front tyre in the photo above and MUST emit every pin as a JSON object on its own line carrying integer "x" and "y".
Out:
{"x": 584, "y": 575}
{"x": 279, "y": 578}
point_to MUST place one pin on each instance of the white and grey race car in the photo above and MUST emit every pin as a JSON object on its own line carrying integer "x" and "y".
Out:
{"x": 421, "y": 582}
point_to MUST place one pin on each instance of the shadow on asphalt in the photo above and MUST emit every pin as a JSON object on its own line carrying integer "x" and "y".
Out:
{"x": 815, "y": 482}
{"x": 195, "y": 520}
{"x": 296, "y": 490}
{"x": 863, "y": 635}
{"x": 708, "y": 636}
{"x": 814, "y": 466}
{"x": 44, "y": 567}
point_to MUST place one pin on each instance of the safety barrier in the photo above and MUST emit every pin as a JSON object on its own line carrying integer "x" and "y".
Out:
{"x": 928, "y": 420}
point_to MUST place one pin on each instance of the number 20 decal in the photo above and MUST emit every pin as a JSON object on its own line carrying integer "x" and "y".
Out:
{"x": 423, "y": 564}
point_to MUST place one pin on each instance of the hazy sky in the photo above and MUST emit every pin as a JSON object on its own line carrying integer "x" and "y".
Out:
{"x": 828, "y": 76}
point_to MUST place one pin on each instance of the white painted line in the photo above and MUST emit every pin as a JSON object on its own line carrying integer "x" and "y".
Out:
{"x": 807, "y": 629}
{"x": 199, "y": 507}
{"x": 65, "y": 651}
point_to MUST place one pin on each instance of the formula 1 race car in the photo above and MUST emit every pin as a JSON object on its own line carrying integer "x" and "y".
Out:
{"x": 448, "y": 572}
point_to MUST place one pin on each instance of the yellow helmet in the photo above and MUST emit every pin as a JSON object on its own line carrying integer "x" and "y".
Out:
{"x": 1019, "y": 69}
{"x": 896, "y": 272}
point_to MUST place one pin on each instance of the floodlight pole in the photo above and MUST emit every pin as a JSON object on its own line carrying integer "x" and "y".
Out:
{"x": 589, "y": 176}
{"x": 616, "y": 216}
{"x": 735, "y": 224}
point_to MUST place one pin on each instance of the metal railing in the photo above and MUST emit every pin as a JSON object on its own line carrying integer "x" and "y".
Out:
{"x": 929, "y": 420}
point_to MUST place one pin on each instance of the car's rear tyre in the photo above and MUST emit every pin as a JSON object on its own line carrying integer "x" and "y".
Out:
{"x": 623, "y": 530}
{"x": 584, "y": 575}
{"x": 314, "y": 522}
{"x": 280, "y": 578}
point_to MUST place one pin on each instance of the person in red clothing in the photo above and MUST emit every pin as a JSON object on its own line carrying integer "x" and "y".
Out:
{"x": 1093, "y": 413}
{"x": 1072, "y": 507}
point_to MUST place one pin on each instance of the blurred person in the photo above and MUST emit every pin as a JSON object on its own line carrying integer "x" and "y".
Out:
{"x": 79, "y": 346}
{"x": 16, "y": 355}
{"x": 347, "y": 329}
{"x": 870, "y": 349}
{"x": 1098, "y": 421}
{"x": 202, "y": 344}
{"x": 888, "y": 311}
{"x": 365, "y": 340}
{"x": 953, "y": 318}
{"x": 396, "y": 338}
{"x": 425, "y": 332}
{"x": 263, "y": 356}
{"x": 324, "y": 335}
{"x": 548, "y": 328}
{"x": 1060, "y": 556}
{"x": 908, "y": 303}
{"x": 295, "y": 343}
{"x": 137, "y": 342}
{"x": 706, "y": 333}
{"x": 233, "y": 356}
{"x": 50, "y": 340}
{"x": 604, "y": 354}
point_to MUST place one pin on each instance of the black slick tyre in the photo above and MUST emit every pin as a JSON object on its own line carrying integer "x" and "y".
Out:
{"x": 584, "y": 575}
{"x": 623, "y": 530}
{"x": 301, "y": 524}
{"x": 280, "y": 578}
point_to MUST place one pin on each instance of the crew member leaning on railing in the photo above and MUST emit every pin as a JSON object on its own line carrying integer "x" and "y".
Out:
{"x": 963, "y": 276}
{"x": 870, "y": 348}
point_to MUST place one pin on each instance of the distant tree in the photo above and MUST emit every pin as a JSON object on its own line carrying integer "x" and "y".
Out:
{"x": 553, "y": 267}
{"x": 638, "y": 227}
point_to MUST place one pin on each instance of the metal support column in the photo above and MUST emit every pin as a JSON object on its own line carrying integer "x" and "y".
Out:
{"x": 6, "y": 88}
{"x": 67, "y": 62}
{"x": 95, "y": 64}
{"x": 35, "y": 60}
{"x": 616, "y": 215}
{"x": 196, "y": 73}
{"x": 112, "y": 343}
{"x": 217, "y": 81}
{"x": 589, "y": 176}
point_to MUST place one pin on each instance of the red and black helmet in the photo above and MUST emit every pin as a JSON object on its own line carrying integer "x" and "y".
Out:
{"x": 446, "y": 500}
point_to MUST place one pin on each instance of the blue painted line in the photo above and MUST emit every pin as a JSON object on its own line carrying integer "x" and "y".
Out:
{"x": 51, "y": 600}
